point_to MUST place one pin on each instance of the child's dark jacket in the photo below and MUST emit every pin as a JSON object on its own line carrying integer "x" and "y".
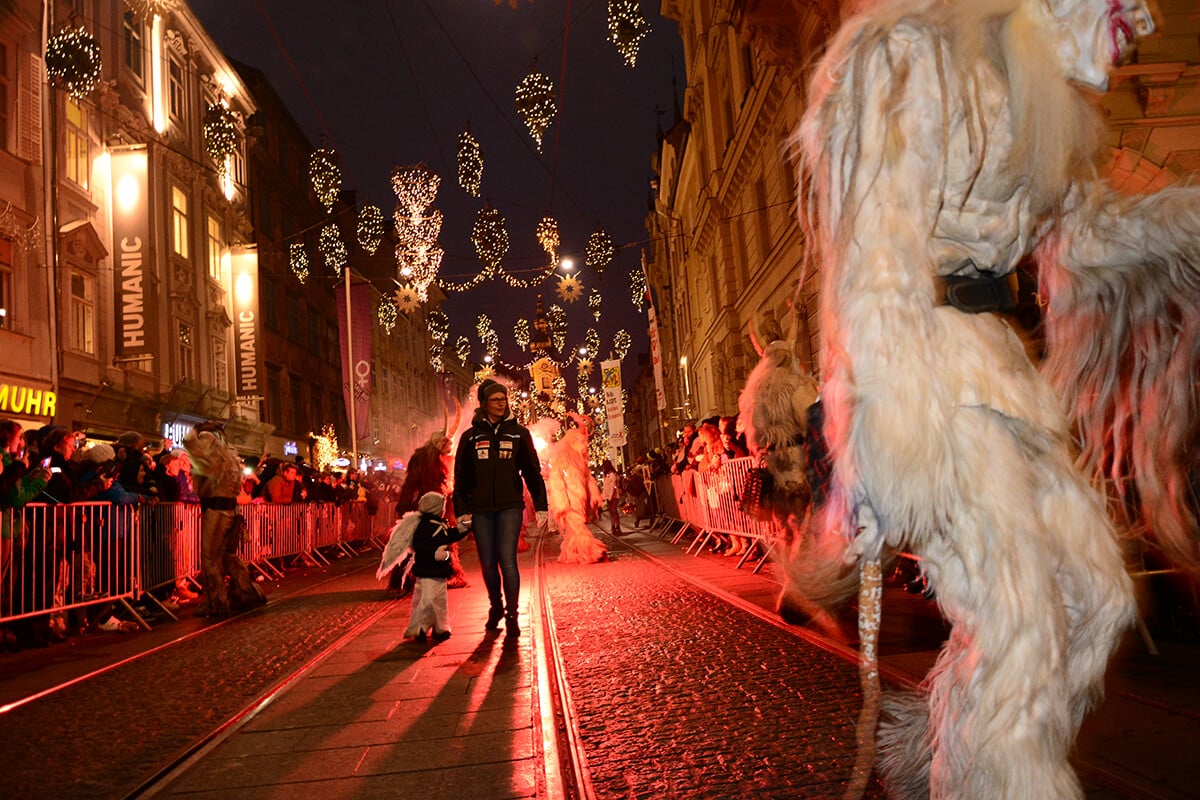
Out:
{"x": 432, "y": 532}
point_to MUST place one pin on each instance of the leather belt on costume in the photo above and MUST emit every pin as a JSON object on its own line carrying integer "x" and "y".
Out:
{"x": 977, "y": 294}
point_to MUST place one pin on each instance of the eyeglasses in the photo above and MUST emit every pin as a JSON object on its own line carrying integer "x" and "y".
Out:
{"x": 498, "y": 399}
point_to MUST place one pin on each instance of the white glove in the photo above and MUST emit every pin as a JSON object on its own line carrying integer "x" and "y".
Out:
{"x": 441, "y": 554}
{"x": 464, "y": 523}
{"x": 541, "y": 519}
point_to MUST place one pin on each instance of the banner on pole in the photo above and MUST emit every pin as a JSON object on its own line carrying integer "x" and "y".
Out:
{"x": 660, "y": 396}
{"x": 614, "y": 407}
{"x": 356, "y": 377}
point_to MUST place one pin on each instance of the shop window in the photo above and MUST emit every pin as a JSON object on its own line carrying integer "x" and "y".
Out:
{"x": 78, "y": 164}
{"x": 83, "y": 313}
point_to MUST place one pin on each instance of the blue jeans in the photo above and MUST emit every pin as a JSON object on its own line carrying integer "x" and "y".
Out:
{"x": 496, "y": 535}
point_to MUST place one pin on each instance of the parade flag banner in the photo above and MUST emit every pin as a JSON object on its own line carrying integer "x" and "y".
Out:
{"x": 132, "y": 289}
{"x": 243, "y": 269}
{"x": 614, "y": 408}
{"x": 660, "y": 396}
{"x": 356, "y": 378}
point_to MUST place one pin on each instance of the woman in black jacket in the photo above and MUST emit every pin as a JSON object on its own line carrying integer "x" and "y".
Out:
{"x": 494, "y": 456}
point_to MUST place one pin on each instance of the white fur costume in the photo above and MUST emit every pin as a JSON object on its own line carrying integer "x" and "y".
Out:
{"x": 572, "y": 493}
{"x": 945, "y": 138}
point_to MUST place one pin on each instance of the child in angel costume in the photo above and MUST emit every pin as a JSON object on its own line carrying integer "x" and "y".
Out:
{"x": 944, "y": 142}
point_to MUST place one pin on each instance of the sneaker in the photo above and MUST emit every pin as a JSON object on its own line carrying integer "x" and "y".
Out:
{"x": 111, "y": 624}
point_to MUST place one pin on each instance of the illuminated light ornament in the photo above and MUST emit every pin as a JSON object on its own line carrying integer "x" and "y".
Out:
{"x": 407, "y": 299}
{"x": 521, "y": 332}
{"x": 558, "y": 326}
{"x": 547, "y": 236}
{"x": 534, "y": 99}
{"x": 325, "y": 176}
{"x": 439, "y": 332}
{"x": 388, "y": 313}
{"x": 584, "y": 368}
{"x": 489, "y": 236}
{"x": 332, "y": 248}
{"x": 418, "y": 256}
{"x": 621, "y": 342}
{"x": 484, "y": 372}
{"x": 462, "y": 349}
{"x": 147, "y": 10}
{"x": 599, "y": 251}
{"x": 594, "y": 300}
{"x": 591, "y": 341}
{"x": 415, "y": 186}
{"x": 220, "y": 134}
{"x": 325, "y": 448}
{"x": 436, "y": 358}
{"x": 73, "y": 61}
{"x": 370, "y": 228}
{"x": 569, "y": 289}
{"x": 637, "y": 288}
{"x": 626, "y": 28}
{"x": 298, "y": 260}
{"x": 470, "y": 163}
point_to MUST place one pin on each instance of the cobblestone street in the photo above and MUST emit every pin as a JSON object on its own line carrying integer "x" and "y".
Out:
{"x": 682, "y": 695}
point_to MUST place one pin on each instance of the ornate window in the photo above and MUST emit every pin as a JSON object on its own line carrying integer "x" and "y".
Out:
{"x": 176, "y": 95}
{"x": 134, "y": 45}
{"x": 82, "y": 337}
{"x": 186, "y": 351}
{"x": 6, "y": 284}
{"x": 179, "y": 222}
{"x": 220, "y": 360}
{"x": 78, "y": 163}
{"x": 214, "y": 249}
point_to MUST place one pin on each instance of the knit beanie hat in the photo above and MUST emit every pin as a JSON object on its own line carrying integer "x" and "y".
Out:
{"x": 431, "y": 503}
{"x": 489, "y": 387}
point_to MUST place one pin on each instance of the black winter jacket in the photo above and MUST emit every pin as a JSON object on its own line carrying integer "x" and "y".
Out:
{"x": 489, "y": 465}
{"x": 432, "y": 533}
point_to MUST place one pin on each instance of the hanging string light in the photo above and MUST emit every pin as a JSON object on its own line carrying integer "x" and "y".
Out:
{"x": 535, "y": 103}
{"x": 621, "y": 342}
{"x": 370, "y": 228}
{"x": 298, "y": 259}
{"x": 439, "y": 331}
{"x": 521, "y": 283}
{"x": 591, "y": 341}
{"x": 521, "y": 332}
{"x": 626, "y": 28}
{"x": 599, "y": 251}
{"x": 547, "y": 236}
{"x": 451, "y": 286}
{"x": 462, "y": 348}
{"x": 418, "y": 256}
{"x": 569, "y": 289}
{"x": 332, "y": 248}
{"x": 436, "y": 357}
{"x": 558, "y": 326}
{"x": 594, "y": 300}
{"x": 637, "y": 288}
{"x": 489, "y": 236}
{"x": 470, "y": 163}
{"x": 147, "y": 10}
{"x": 73, "y": 61}
{"x": 220, "y": 134}
{"x": 326, "y": 176}
{"x": 388, "y": 313}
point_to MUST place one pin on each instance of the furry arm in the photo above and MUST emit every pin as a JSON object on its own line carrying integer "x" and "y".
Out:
{"x": 1123, "y": 277}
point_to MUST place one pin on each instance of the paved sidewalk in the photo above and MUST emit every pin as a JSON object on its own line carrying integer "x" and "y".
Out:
{"x": 1139, "y": 743}
{"x": 385, "y": 717}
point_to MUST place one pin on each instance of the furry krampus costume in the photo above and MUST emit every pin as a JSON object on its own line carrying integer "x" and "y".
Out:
{"x": 944, "y": 143}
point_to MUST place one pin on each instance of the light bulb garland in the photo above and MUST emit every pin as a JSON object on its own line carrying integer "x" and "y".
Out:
{"x": 637, "y": 288}
{"x": 470, "y": 163}
{"x": 298, "y": 260}
{"x": 370, "y": 228}
{"x": 332, "y": 248}
{"x": 462, "y": 348}
{"x": 388, "y": 313}
{"x": 325, "y": 176}
{"x": 621, "y": 342}
{"x": 591, "y": 341}
{"x": 548, "y": 238}
{"x": 626, "y": 28}
{"x": 558, "y": 326}
{"x": 220, "y": 134}
{"x": 489, "y": 236}
{"x": 594, "y": 301}
{"x": 73, "y": 61}
{"x": 521, "y": 332}
{"x": 599, "y": 251}
{"x": 534, "y": 99}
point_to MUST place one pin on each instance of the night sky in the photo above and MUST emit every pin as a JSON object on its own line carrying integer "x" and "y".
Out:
{"x": 394, "y": 82}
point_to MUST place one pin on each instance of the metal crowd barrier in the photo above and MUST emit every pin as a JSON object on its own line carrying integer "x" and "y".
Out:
{"x": 74, "y": 555}
{"x": 706, "y": 505}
